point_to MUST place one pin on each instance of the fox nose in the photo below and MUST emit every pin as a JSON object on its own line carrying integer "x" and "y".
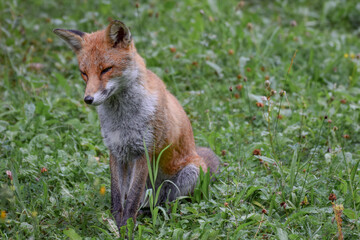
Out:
{"x": 88, "y": 99}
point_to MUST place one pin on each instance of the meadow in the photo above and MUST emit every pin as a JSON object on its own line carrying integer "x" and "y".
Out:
{"x": 271, "y": 86}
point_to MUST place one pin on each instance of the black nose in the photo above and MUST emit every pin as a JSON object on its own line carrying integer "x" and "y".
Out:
{"x": 88, "y": 99}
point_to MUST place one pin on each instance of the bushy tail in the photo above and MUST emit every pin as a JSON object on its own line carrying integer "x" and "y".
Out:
{"x": 212, "y": 161}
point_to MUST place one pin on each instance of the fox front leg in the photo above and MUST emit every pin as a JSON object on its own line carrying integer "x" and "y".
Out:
{"x": 119, "y": 187}
{"x": 138, "y": 176}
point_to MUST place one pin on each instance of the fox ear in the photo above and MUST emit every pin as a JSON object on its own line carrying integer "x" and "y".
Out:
{"x": 118, "y": 33}
{"x": 73, "y": 38}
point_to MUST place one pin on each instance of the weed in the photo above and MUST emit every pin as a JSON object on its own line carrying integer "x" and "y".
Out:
{"x": 201, "y": 191}
{"x": 152, "y": 194}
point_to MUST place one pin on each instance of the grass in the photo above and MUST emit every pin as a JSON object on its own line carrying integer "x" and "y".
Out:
{"x": 308, "y": 139}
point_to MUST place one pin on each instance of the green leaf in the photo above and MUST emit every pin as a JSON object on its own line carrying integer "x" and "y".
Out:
{"x": 272, "y": 204}
{"x": 140, "y": 231}
{"x": 164, "y": 212}
{"x": 251, "y": 191}
{"x": 72, "y": 234}
{"x": 106, "y": 232}
{"x": 350, "y": 213}
{"x": 293, "y": 169}
{"x": 63, "y": 83}
{"x": 282, "y": 234}
{"x": 354, "y": 171}
{"x": 149, "y": 166}
{"x": 130, "y": 227}
{"x": 216, "y": 67}
{"x": 29, "y": 110}
{"x": 244, "y": 225}
{"x": 123, "y": 232}
{"x": 343, "y": 186}
{"x": 177, "y": 234}
{"x": 302, "y": 212}
{"x": 158, "y": 161}
{"x": 213, "y": 6}
{"x": 154, "y": 216}
{"x": 239, "y": 196}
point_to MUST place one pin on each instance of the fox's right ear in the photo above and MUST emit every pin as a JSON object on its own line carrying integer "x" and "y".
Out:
{"x": 73, "y": 38}
{"x": 117, "y": 33}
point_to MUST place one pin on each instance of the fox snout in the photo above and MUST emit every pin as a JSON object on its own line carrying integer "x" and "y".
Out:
{"x": 93, "y": 88}
{"x": 97, "y": 92}
{"x": 88, "y": 99}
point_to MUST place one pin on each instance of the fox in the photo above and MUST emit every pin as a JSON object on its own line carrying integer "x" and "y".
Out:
{"x": 138, "y": 116}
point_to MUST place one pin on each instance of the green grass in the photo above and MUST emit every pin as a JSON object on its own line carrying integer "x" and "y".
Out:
{"x": 45, "y": 124}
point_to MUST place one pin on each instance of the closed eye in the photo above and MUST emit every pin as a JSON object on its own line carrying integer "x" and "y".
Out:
{"x": 83, "y": 74}
{"x": 106, "y": 70}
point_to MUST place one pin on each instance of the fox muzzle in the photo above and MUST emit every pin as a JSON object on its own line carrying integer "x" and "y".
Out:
{"x": 89, "y": 99}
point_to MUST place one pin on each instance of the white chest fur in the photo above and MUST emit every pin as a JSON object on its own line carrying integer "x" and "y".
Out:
{"x": 126, "y": 122}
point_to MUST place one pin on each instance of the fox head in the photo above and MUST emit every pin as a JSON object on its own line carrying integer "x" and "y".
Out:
{"x": 106, "y": 59}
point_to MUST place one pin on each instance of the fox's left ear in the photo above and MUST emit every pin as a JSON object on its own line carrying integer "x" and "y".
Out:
{"x": 118, "y": 33}
{"x": 73, "y": 38}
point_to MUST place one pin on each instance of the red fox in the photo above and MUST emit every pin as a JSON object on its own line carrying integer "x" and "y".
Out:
{"x": 134, "y": 107}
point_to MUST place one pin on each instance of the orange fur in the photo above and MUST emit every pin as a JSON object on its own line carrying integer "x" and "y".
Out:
{"x": 171, "y": 124}
{"x": 172, "y": 127}
{"x": 108, "y": 60}
{"x": 97, "y": 54}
